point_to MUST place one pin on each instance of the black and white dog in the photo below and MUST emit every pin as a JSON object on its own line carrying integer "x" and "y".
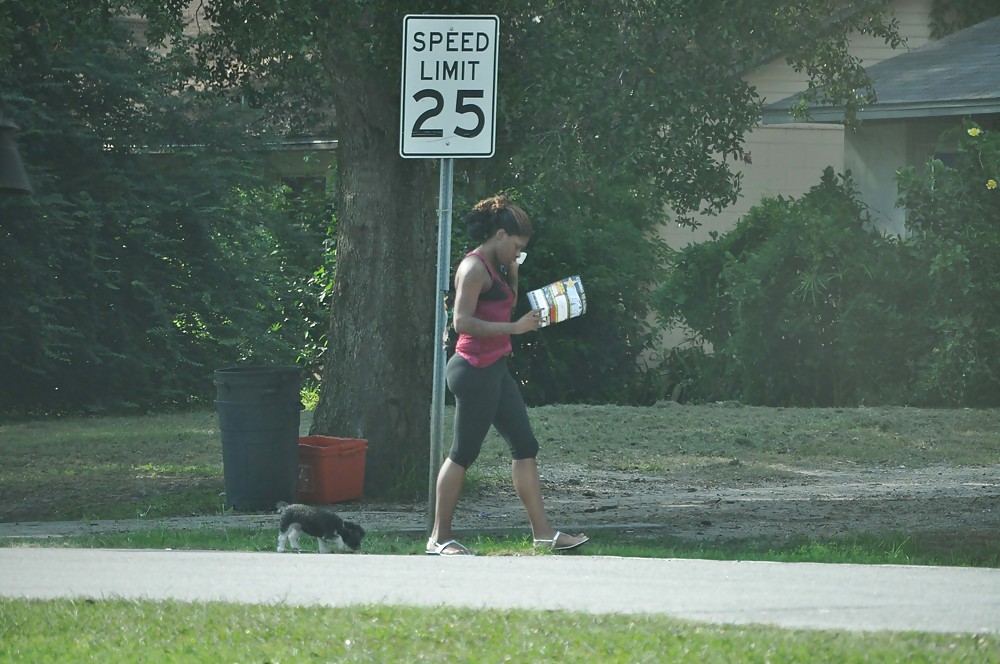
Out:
{"x": 320, "y": 522}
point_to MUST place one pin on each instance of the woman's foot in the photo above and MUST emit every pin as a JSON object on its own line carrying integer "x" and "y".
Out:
{"x": 561, "y": 541}
{"x": 447, "y": 548}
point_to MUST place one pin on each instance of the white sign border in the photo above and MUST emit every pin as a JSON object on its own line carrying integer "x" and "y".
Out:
{"x": 403, "y": 139}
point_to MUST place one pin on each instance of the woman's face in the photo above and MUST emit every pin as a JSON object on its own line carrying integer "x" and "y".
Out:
{"x": 509, "y": 246}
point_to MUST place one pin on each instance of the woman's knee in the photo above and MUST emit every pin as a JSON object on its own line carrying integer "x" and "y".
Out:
{"x": 525, "y": 449}
{"x": 463, "y": 457}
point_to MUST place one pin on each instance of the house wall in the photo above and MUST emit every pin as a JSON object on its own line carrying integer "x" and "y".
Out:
{"x": 879, "y": 149}
{"x": 925, "y": 138}
{"x": 787, "y": 160}
{"x": 873, "y": 154}
{"x": 914, "y": 19}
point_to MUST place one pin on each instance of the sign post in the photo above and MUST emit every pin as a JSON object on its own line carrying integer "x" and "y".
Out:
{"x": 447, "y": 110}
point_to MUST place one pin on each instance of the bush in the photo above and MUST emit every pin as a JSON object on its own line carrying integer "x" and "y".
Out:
{"x": 801, "y": 304}
{"x": 139, "y": 265}
{"x": 767, "y": 295}
{"x": 954, "y": 215}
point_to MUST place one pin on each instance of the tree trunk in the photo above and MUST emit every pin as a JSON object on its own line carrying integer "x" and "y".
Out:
{"x": 378, "y": 367}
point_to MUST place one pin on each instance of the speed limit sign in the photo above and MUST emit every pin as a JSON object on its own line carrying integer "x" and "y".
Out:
{"x": 449, "y": 86}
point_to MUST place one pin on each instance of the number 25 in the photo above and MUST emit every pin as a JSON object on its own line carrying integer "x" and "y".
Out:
{"x": 461, "y": 107}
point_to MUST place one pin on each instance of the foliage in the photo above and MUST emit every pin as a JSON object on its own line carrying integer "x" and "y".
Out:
{"x": 803, "y": 306}
{"x": 953, "y": 213}
{"x": 830, "y": 34}
{"x": 141, "y": 263}
{"x": 613, "y": 119}
{"x": 636, "y": 120}
{"x": 766, "y": 295}
{"x": 690, "y": 374}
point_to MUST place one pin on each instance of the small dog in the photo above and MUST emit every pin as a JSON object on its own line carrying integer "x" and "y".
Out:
{"x": 321, "y": 523}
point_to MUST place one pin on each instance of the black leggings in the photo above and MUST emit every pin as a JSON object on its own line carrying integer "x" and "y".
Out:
{"x": 483, "y": 397}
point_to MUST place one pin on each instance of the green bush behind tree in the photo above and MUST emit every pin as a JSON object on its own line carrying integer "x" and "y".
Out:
{"x": 152, "y": 251}
{"x": 804, "y": 304}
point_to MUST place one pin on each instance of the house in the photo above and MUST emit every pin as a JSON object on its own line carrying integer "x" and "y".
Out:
{"x": 788, "y": 156}
{"x": 921, "y": 94}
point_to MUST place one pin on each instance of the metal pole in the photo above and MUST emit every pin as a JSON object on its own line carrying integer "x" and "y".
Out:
{"x": 440, "y": 329}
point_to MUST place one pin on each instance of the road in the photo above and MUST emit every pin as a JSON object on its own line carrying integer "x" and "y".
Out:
{"x": 801, "y": 595}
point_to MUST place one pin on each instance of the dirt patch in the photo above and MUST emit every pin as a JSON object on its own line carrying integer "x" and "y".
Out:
{"x": 814, "y": 504}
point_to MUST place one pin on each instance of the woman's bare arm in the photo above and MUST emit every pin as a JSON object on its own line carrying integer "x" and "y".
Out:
{"x": 472, "y": 279}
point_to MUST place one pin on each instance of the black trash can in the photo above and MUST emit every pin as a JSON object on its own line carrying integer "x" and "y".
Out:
{"x": 259, "y": 411}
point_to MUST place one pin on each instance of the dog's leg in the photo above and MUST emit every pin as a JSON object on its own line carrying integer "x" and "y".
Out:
{"x": 323, "y": 548}
{"x": 340, "y": 542}
{"x": 293, "y": 536}
{"x": 282, "y": 539}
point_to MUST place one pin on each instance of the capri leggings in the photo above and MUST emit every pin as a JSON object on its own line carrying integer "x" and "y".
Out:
{"x": 485, "y": 396}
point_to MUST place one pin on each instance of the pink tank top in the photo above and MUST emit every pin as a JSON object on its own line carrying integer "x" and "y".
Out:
{"x": 494, "y": 305}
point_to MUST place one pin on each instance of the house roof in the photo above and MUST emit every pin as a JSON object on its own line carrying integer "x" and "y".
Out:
{"x": 957, "y": 75}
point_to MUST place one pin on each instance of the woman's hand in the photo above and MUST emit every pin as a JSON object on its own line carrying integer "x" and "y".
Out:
{"x": 529, "y": 322}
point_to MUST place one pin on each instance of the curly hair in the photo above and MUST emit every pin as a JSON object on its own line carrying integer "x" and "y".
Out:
{"x": 491, "y": 214}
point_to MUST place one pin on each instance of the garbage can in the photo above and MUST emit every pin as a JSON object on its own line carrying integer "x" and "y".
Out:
{"x": 259, "y": 411}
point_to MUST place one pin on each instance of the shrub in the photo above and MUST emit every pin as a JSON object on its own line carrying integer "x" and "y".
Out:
{"x": 801, "y": 304}
{"x": 767, "y": 295}
{"x": 139, "y": 265}
{"x": 954, "y": 215}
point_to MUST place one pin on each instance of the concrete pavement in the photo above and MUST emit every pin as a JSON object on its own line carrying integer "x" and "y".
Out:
{"x": 817, "y": 596}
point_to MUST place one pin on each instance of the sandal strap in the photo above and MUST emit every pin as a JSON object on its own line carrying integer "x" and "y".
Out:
{"x": 550, "y": 542}
{"x": 439, "y": 547}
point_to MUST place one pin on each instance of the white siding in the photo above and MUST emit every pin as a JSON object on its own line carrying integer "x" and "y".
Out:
{"x": 787, "y": 160}
{"x": 914, "y": 26}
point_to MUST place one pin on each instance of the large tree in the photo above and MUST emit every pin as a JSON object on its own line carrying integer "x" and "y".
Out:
{"x": 615, "y": 116}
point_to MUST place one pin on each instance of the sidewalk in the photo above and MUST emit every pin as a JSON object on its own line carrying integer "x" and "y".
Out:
{"x": 806, "y": 595}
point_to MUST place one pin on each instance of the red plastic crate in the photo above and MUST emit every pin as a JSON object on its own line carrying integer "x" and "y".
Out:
{"x": 331, "y": 470}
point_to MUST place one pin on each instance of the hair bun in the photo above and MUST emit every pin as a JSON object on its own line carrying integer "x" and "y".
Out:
{"x": 493, "y": 205}
{"x": 492, "y": 214}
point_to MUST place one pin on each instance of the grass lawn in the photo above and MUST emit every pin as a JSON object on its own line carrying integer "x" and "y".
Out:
{"x": 159, "y": 466}
{"x": 128, "y": 631}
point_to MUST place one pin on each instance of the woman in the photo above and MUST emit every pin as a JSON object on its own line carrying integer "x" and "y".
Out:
{"x": 477, "y": 374}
